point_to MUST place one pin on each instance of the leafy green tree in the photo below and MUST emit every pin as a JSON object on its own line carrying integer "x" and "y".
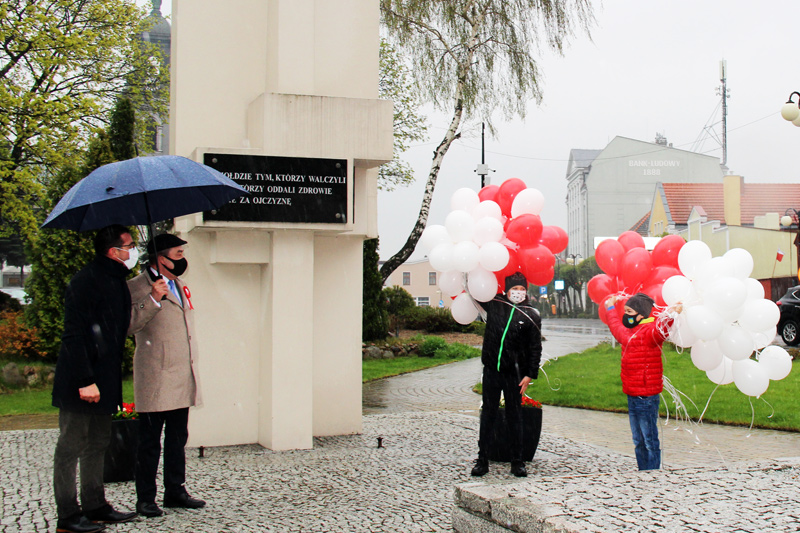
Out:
{"x": 473, "y": 58}
{"x": 62, "y": 63}
{"x": 374, "y": 319}
{"x": 122, "y": 130}
{"x": 398, "y": 300}
{"x": 56, "y": 254}
{"x": 409, "y": 126}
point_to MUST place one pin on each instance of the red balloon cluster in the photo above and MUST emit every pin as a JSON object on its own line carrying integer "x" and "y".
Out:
{"x": 629, "y": 268}
{"x": 535, "y": 243}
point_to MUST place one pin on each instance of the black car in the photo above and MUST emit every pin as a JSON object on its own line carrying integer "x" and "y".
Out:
{"x": 789, "y": 324}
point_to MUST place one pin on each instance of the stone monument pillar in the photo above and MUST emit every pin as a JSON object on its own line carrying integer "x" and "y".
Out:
{"x": 280, "y": 95}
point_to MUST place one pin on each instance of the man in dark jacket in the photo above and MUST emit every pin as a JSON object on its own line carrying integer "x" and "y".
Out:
{"x": 88, "y": 380}
{"x": 512, "y": 349}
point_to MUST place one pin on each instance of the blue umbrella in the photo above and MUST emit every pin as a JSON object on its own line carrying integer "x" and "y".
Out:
{"x": 142, "y": 190}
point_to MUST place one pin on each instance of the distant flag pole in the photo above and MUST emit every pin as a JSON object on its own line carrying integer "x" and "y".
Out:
{"x": 778, "y": 259}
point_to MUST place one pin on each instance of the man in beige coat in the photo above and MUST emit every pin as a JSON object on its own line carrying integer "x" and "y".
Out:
{"x": 164, "y": 374}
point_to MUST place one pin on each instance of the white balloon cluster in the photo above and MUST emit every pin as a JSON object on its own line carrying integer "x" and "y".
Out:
{"x": 725, "y": 319}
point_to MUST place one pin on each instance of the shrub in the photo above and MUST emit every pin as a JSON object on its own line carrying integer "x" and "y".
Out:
{"x": 431, "y": 345}
{"x": 457, "y": 351}
{"x": 17, "y": 340}
{"x": 8, "y": 302}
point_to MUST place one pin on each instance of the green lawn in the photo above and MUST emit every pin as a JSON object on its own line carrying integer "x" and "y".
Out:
{"x": 372, "y": 369}
{"x": 29, "y": 402}
{"x": 591, "y": 380}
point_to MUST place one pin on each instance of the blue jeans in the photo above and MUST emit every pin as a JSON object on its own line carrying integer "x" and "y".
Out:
{"x": 643, "y": 416}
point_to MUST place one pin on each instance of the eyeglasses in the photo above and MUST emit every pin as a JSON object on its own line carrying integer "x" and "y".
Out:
{"x": 127, "y": 247}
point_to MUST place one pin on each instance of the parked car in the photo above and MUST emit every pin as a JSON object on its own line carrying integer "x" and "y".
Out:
{"x": 789, "y": 323}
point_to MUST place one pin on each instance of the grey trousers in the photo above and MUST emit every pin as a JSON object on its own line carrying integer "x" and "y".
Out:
{"x": 83, "y": 439}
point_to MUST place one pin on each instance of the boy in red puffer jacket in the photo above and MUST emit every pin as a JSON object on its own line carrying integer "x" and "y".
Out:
{"x": 642, "y": 371}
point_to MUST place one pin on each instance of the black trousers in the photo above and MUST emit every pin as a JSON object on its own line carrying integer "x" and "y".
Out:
{"x": 83, "y": 439}
{"x": 493, "y": 383}
{"x": 176, "y": 433}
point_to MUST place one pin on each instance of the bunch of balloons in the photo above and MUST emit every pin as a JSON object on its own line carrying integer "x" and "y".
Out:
{"x": 487, "y": 236}
{"x": 726, "y": 319}
{"x": 630, "y": 268}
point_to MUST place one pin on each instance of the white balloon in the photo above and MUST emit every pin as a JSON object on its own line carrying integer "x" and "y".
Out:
{"x": 465, "y": 256}
{"x": 736, "y": 342}
{"x": 482, "y": 284}
{"x": 759, "y": 315}
{"x": 464, "y": 200}
{"x": 723, "y": 374}
{"x": 487, "y": 230}
{"x": 706, "y": 355}
{"x": 460, "y": 226}
{"x": 488, "y": 208}
{"x": 441, "y": 257}
{"x": 712, "y": 270}
{"x": 493, "y": 256}
{"x": 750, "y": 377}
{"x": 693, "y": 255}
{"x": 726, "y": 296}
{"x": 681, "y": 334}
{"x": 765, "y": 338}
{"x": 755, "y": 290}
{"x": 776, "y": 362}
{"x": 433, "y": 236}
{"x": 529, "y": 200}
{"x": 704, "y": 322}
{"x": 742, "y": 262}
{"x": 451, "y": 282}
{"x": 676, "y": 289}
{"x": 463, "y": 309}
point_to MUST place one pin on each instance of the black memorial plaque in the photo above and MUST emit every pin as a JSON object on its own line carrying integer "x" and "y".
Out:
{"x": 283, "y": 189}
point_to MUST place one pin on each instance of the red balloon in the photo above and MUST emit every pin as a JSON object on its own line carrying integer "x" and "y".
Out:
{"x": 525, "y": 230}
{"x": 608, "y": 256}
{"x": 600, "y": 288}
{"x": 554, "y": 238}
{"x": 488, "y": 193}
{"x": 654, "y": 292}
{"x": 541, "y": 278}
{"x": 630, "y": 240}
{"x": 601, "y": 312}
{"x": 660, "y": 274}
{"x": 508, "y": 190}
{"x": 511, "y": 267}
{"x": 636, "y": 267}
{"x": 535, "y": 259}
{"x": 666, "y": 251}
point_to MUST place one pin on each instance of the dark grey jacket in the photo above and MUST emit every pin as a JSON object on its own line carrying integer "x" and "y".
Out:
{"x": 520, "y": 336}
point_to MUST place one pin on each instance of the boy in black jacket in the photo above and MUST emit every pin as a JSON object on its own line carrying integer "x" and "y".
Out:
{"x": 512, "y": 349}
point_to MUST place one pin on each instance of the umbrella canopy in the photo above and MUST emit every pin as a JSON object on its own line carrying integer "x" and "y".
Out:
{"x": 142, "y": 190}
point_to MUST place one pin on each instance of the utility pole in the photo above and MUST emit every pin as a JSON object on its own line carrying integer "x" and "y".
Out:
{"x": 483, "y": 168}
{"x": 723, "y": 91}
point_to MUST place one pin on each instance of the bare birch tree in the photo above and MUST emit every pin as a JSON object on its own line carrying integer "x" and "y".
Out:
{"x": 475, "y": 57}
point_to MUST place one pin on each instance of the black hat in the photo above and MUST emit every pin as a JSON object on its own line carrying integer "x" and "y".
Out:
{"x": 516, "y": 279}
{"x": 165, "y": 241}
{"x": 641, "y": 303}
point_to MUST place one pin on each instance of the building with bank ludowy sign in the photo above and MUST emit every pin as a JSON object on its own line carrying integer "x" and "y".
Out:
{"x": 610, "y": 190}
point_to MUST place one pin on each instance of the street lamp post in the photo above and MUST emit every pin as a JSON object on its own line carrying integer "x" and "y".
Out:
{"x": 790, "y": 217}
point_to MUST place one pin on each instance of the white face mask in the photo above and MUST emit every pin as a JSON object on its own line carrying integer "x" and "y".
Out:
{"x": 517, "y": 296}
{"x": 132, "y": 259}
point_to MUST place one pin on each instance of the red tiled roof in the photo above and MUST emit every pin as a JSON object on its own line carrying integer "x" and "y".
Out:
{"x": 643, "y": 226}
{"x": 757, "y": 200}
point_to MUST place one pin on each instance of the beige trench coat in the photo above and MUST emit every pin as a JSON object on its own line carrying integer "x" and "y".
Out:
{"x": 165, "y": 361}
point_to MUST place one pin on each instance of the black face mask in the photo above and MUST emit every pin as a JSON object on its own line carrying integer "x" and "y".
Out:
{"x": 629, "y": 321}
{"x": 179, "y": 266}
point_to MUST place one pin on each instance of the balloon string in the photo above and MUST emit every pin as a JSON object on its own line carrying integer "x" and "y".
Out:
{"x": 752, "y": 415}
{"x": 700, "y": 420}
{"x": 557, "y": 381}
{"x": 770, "y": 406}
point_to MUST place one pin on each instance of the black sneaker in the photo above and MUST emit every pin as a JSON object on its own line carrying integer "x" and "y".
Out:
{"x": 480, "y": 468}
{"x": 518, "y": 469}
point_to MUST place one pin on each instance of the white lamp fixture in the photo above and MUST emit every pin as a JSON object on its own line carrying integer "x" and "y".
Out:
{"x": 791, "y": 110}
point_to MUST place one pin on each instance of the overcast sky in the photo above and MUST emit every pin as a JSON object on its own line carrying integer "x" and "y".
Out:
{"x": 650, "y": 66}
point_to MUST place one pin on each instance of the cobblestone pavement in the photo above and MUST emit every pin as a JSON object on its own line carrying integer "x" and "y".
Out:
{"x": 345, "y": 484}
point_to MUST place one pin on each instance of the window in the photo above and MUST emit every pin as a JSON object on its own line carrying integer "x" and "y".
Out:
{"x": 406, "y": 278}
{"x": 431, "y": 278}
{"x": 159, "y": 138}
{"x": 423, "y": 301}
